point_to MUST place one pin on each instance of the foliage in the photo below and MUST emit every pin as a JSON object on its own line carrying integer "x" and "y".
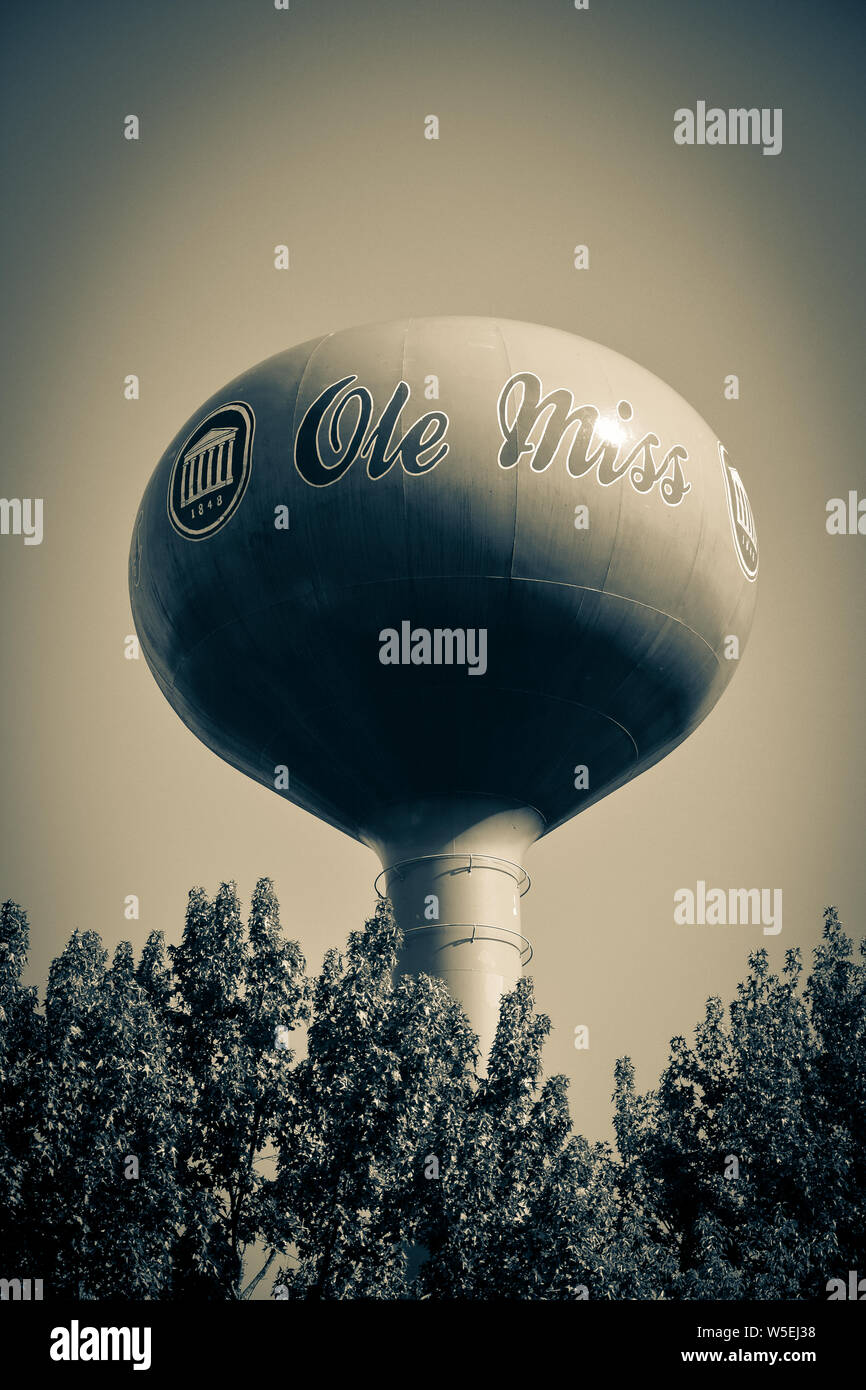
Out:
{"x": 163, "y": 1136}
{"x": 782, "y": 1091}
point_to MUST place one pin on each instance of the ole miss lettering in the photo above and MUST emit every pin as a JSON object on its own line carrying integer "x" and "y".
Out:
{"x": 338, "y": 428}
{"x": 328, "y": 443}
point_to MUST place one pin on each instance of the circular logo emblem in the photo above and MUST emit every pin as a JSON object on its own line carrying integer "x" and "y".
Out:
{"x": 742, "y": 521}
{"x": 211, "y": 472}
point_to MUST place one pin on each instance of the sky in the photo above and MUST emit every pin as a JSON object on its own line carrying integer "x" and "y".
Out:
{"x": 305, "y": 127}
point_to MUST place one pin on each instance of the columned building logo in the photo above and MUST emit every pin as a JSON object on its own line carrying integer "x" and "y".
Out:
{"x": 211, "y": 471}
{"x": 742, "y": 520}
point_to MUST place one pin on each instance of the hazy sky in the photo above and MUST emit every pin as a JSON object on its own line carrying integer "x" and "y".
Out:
{"x": 306, "y": 127}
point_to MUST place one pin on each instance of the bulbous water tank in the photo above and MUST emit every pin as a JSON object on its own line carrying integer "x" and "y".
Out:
{"x": 315, "y": 528}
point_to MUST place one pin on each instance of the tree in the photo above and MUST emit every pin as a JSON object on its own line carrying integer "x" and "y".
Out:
{"x": 524, "y": 1209}
{"x": 388, "y": 1066}
{"x": 106, "y": 1165}
{"x": 748, "y": 1159}
{"x": 22, "y": 1030}
{"x": 237, "y": 1002}
{"x": 140, "y": 1117}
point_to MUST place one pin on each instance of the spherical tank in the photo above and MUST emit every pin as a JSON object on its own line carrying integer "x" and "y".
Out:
{"x": 444, "y": 583}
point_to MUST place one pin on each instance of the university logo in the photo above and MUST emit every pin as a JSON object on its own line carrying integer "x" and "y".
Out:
{"x": 742, "y": 521}
{"x": 211, "y": 472}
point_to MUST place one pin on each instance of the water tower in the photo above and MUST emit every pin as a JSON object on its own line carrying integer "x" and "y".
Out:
{"x": 444, "y": 583}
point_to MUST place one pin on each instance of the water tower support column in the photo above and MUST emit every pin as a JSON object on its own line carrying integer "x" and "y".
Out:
{"x": 454, "y": 875}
